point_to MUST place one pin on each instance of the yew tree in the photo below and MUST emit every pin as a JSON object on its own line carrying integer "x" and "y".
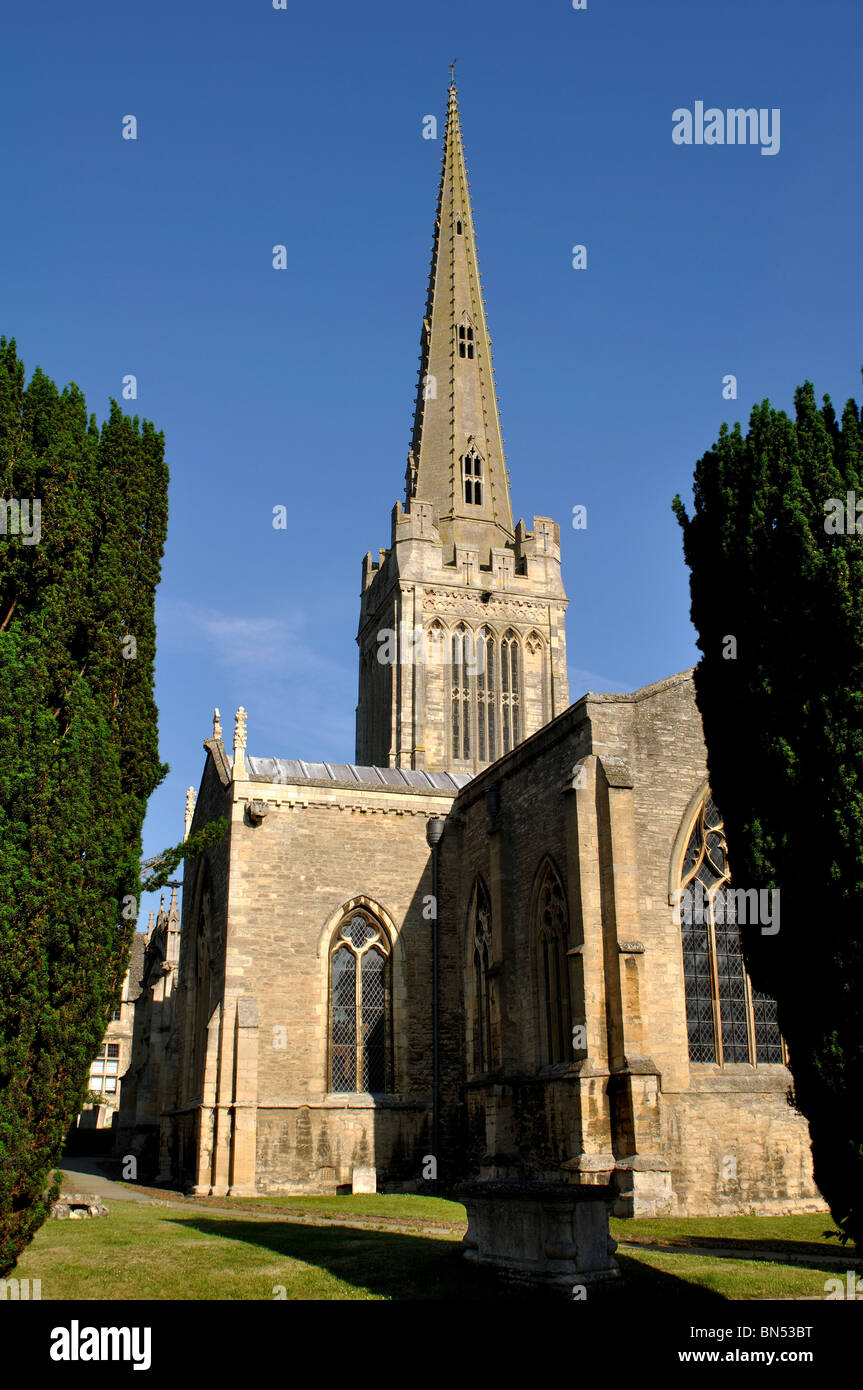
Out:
{"x": 85, "y": 510}
{"x": 776, "y": 581}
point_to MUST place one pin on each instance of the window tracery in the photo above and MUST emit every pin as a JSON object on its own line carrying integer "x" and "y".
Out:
{"x": 727, "y": 1020}
{"x": 359, "y": 1006}
{"x": 552, "y": 940}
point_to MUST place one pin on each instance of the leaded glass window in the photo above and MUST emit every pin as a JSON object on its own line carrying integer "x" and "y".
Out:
{"x": 359, "y": 1006}
{"x": 768, "y": 1039}
{"x": 553, "y": 944}
{"x": 727, "y": 1021}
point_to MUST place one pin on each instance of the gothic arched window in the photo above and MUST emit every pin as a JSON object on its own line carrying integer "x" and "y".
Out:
{"x": 727, "y": 1020}
{"x": 472, "y": 467}
{"x": 436, "y": 640}
{"x": 460, "y": 720}
{"x": 510, "y": 686}
{"x": 486, "y": 696}
{"x": 465, "y": 340}
{"x": 360, "y": 1006}
{"x": 481, "y": 933}
{"x": 552, "y": 939}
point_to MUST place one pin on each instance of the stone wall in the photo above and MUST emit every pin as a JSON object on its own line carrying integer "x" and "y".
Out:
{"x": 601, "y": 799}
{"x": 403, "y": 714}
{"x": 608, "y": 794}
{"x": 737, "y": 1146}
{"x": 265, "y": 1116}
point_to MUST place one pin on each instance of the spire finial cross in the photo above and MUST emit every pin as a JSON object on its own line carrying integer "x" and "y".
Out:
{"x": 452, "y": 73}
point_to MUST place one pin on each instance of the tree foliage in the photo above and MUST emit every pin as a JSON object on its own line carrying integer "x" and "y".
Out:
{"x": 783, "y": 723}
{"x": 78, "y": 755}
{"x": 163, "y": 865}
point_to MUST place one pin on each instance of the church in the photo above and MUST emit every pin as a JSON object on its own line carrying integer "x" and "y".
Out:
{"x": 463, "y": 956}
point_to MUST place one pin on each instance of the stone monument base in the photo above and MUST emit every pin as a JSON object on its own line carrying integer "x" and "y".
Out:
{"x": 541, "y": 1233}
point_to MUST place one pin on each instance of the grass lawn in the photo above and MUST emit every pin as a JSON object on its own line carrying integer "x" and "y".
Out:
{"x": 802, "y": 1240}
{"x": 170, "y": 1253}
{"x": 195, "y": 1252}
{"x": 397, "y": 1209}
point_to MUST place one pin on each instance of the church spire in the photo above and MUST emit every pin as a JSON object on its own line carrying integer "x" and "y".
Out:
{"x": 456, "y": 460}
{"x": 458, "y": 579}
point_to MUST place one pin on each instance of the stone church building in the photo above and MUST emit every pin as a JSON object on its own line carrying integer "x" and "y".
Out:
{"x": 462, "y": 955}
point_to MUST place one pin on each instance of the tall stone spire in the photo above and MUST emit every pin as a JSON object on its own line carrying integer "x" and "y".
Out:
{"x": 458, "y": 580}
{"x": 456, "y": 459}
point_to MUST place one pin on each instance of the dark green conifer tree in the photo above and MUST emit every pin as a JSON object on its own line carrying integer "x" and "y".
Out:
{"x": 777, "y": 601}
{"x": 78, "y": 753}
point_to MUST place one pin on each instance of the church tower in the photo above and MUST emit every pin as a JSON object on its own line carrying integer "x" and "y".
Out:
{"x": 461, "y": 636}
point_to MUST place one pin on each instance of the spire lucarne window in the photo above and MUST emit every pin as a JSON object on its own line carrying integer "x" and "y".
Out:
{"x": 465, "y": 341}
{"x": 472, "y": 466}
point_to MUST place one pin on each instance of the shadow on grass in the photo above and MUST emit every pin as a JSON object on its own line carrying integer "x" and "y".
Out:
{"x": 803, "y": 1254}
{"x": 400, "y": 1267}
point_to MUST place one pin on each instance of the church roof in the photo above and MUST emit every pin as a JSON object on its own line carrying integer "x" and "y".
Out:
{"x": 285, "y": 771}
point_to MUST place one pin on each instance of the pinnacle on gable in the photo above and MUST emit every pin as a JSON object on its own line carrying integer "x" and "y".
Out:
{"x": 239, "y": 769}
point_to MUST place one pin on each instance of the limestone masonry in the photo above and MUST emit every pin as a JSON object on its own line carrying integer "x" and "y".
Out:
{"x": 591, "y": 1033}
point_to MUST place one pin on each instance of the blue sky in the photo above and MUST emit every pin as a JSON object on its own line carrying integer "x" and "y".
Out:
{"x": 304, "y": 127}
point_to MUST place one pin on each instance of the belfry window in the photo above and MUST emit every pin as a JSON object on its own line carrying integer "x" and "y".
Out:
{"x": 510, "y": 687}
{"x": 472, "y": 466}
{"x": 727, "y": 1020}
{"x": 484, "y": 693}
{"x": 465, "y": 340}
{"x": 486, "y": 697}
{"x": 460, "y": 714}
{"x": 359, "y": 1007}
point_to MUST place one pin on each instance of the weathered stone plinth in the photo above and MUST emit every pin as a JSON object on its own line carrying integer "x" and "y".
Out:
{"x": 546, "y": 1233}
{"x": 77, "y": 1206}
